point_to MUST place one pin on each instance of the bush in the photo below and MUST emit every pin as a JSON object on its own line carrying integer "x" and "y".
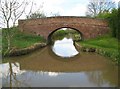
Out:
{"x": 113, "y": 18}
{"x": 113, "y": 22}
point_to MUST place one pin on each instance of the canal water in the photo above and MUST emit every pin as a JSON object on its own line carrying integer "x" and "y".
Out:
{"x": 60, "y": 48}
{"x": 59, "y": 65}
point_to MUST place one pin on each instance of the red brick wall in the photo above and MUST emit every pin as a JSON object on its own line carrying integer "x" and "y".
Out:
{"x": 89, "y": 27}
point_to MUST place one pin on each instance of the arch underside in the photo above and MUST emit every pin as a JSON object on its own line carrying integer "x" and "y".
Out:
{"x": 51, "y": 33}
{"x": 64, "y": 27}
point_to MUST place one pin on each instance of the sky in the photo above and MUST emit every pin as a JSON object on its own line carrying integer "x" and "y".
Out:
{"x": 66, "y": 7}
{"x": 63, "y": 7}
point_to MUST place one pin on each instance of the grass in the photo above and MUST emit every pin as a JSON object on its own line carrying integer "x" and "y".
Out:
{"x": 107, "y": 46}
{"x": 105, "y": 41}
{"x": 24, "y": 40}
{"x": 20, "y": 39}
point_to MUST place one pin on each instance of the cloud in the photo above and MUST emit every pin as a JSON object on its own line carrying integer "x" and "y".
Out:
{"x": 52, "y": 7}
{"x": 77, "y": 10}
{"x": 65, "y": 7}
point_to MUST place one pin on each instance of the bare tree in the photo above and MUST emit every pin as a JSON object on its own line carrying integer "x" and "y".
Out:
{"x": 10, "y": 11}
{"x": 96, "y": 7}
{"x": 18, "y": 10}
{"x": 6, "y": 12}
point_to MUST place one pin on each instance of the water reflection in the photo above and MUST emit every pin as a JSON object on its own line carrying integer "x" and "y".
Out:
{"x": 48, "y": 72}
{"x": 13, "y": 74}
{"x": 9, "y": 73}
{"x": 64, "y": 48}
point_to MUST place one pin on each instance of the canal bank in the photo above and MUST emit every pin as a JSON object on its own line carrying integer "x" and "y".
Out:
{"x": 104, "y": 45}
{"x": 24, "y": 51}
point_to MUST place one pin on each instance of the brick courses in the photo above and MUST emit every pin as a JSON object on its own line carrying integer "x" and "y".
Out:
{"x": 89, "y": 27}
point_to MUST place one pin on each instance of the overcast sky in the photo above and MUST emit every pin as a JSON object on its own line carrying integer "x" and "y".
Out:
{"x": 63, "y": 7}
{"x": 66, "y": 7}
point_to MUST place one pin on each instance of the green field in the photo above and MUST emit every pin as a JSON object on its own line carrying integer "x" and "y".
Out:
{"x": 107, "y": 46}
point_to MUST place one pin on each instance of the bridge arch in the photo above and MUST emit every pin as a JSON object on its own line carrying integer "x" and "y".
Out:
{"x": 59, "y": 28}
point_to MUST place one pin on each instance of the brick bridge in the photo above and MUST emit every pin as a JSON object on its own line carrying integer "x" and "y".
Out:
{"x": 88, "y": 27}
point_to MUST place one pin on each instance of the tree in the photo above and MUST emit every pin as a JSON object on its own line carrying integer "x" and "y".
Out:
{"x": 18, "y": 10}
{"x": 96, "y": 7}
{"x": 35, "y": 15}
{"x": 113, "y": 18}
{"x": 114, "y": 22}
{"x": 10, "y": 11}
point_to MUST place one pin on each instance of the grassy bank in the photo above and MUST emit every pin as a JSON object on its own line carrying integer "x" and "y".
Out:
{"x": 20, "y": 39}
{"x": 104, "y": 45}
